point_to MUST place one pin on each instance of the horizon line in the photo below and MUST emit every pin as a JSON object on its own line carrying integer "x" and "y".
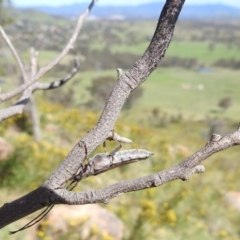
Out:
{"x": 119, "y": 4}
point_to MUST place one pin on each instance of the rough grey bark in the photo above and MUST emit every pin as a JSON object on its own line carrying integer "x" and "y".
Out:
{"x": 52, "y": 190}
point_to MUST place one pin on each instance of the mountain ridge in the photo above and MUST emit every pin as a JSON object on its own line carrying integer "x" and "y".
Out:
{"x": 142, "y": 11}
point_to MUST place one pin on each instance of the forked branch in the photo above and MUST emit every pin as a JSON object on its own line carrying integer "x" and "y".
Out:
{"x": 125, "y": 84}
{"x": 182, "y": 171}
{"x": 52, "y": 191}
{"x": 18, "y": 108}
{"x": 59, "y": 83}
{"x": 8, "y": 95}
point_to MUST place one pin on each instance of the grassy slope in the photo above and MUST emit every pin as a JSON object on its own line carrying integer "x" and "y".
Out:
{"x": 38, "y": 17}
{"x": 176, "y": 90}
{"x": 187, "y": 49}
{"x": 200, "y": 50}
{"x": 173, "y": 89}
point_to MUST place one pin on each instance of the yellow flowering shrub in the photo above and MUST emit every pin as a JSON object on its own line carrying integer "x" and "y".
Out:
{"x": 193, "y": 209}
{"x": 30, "y": 163}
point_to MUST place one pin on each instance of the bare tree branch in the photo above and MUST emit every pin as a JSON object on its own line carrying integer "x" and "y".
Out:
{"x": 59, "y": 83}
{"x": 15, "y": 54}
{"x": 32, "y": 106}
{"x": 43, "y": 196}
{"x": 113, "y": 136}
{"x": 70, "y": 43}
{"x": 18, "y": 108}
{"x": 33, "y": 61}
{"x": 52, "y": 191}
{"x": 42, "y": 71}
{"x": 125, "y": 84}
{"x": 181, "y": 171}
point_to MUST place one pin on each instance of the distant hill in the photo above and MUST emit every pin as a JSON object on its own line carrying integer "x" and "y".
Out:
{"x": 143, "y": 11}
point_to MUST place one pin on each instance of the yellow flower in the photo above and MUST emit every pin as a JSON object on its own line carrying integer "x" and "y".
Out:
{"x": 73, "y": 223}
{"x": 223, "y": 233}
{"x": 40, "y": 233}
{"x": 46, "y": 238}
{"x": 171, "y": 216}
{"x": 106, "y": 236}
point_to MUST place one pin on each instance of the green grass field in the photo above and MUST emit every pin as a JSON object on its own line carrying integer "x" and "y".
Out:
{"x": 191, "y": 92}
{"x": 175, "y": 90}
{"x": 200, "y": 51}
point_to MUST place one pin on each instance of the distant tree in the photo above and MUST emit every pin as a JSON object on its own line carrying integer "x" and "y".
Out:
{"x": 101, "y": 88}
{"x": 225, "y": 103}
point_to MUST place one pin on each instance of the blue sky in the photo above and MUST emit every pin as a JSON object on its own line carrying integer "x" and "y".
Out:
{"x": 29, "y": 3}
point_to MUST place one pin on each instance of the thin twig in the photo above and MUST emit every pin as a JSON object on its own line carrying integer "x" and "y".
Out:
{"x": 33, "y": 61}
{"x": 25, "y": 98}
{"x": 59, "y": 83}
{"x": 15, "y": 54}
{"x": 182, "y": 171}
{"x": 35, "y": 220}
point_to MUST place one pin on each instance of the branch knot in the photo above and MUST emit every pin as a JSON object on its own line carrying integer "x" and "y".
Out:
{"x": 215, "y": 137}
{"x": 187, "y": 174}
